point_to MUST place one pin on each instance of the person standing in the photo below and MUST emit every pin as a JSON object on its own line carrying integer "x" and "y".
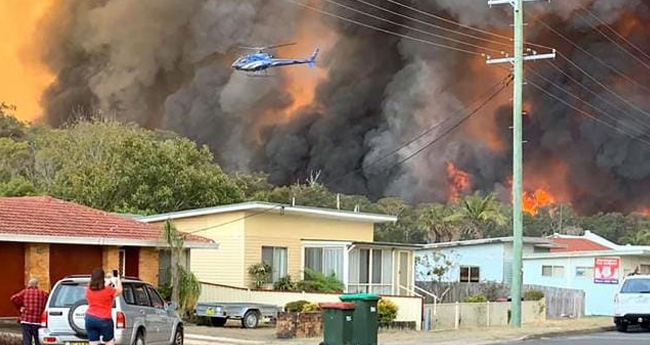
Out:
{"x": 31, "y": 303}
{"x": 99, "y": 319}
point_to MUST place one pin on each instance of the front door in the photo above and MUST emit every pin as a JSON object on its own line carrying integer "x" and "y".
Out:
{"x": 403, "y": 274}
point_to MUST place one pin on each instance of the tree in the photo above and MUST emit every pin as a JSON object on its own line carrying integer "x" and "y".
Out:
{"x": 124, "y": 168}
{"x": 437, "y": 222}
{"x": 478, "y": 213}
{"x": 10, "y": 126}
{"x": 185, "y": 288}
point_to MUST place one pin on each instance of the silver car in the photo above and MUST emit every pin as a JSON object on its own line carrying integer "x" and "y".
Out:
{"x": 140, "y": 315}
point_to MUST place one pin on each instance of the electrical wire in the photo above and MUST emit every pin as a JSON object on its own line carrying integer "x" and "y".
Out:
{"x": 453, "y": 22}
{"x": 575, "y": 45}
{"x": 368, "y": 26}
{"x": 611, "y": 117}
{"x": 586, "y": 113}
{"x": 408, "y": 27}
{"x": 595, "y": 27}
{"x": 616, "y": 33}
{"x": 456, "y": 32}
{"x": 601, "y": 98}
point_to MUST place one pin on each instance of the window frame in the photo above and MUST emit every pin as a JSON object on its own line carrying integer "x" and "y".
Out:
{"x": 135, "y": 295}
{"x": 470, "y": 277}
{"x": 286, "y": 263}
{"x": 554, "y": 270}
{"x": 151, "y": 291}
{"x": 588, "y": 272}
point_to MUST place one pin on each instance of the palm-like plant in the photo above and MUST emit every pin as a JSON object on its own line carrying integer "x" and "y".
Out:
{"x": 185, "y": 287}
{"x": 438, "y": 222}
{"x": 476, "y": 212}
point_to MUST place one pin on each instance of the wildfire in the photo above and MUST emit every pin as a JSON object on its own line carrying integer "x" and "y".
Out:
{"x": 458, "y": 181}
{"x": 23, "y": 77}
{"x": 532, "y": 201}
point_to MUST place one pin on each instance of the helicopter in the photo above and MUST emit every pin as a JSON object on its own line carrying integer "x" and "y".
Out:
{"x": 261, "y": 60}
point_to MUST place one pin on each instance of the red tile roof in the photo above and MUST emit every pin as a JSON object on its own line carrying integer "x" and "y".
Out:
{"x": 577, "y": 245}
{"x": 47, "y": 216}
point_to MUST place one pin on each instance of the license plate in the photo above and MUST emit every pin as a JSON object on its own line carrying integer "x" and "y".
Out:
{"x": 78, "y": 343}
{"x": 209, "y": 311}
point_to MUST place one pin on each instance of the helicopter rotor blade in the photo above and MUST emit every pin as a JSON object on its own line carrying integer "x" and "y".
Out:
{"x": 280, "y": 45}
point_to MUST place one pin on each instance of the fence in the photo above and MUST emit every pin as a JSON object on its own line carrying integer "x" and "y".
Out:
{"x": 446, "y": 316}
{"x": 410, "y": 308}
{"x": 561, "y": 302}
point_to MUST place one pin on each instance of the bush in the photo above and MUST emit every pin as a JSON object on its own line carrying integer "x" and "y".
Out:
{"x": 386, "y": 311}
{"x": 10, "y": 340}
{"x": 261, "y": 273}
{"x": 285, "y": 284}
{"x": 311, "y": 307}
{"x": 296, "y": 306}
{"x": 533, "y": 295}
{"x": 165, "y": 292}
{"x": 475, "y": 299}
{"x": 318, "y": 282}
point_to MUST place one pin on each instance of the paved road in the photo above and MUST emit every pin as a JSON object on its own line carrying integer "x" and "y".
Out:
{"x": 609, "y": 338}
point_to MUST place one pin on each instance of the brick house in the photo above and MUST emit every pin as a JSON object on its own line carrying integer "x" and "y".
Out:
{"x": 48, "y": 238}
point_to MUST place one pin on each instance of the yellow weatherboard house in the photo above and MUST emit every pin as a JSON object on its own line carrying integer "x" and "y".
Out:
{"x": 291, "y": 238}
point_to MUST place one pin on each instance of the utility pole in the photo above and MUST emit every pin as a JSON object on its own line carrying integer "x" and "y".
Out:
{"x": 517, "y": 148}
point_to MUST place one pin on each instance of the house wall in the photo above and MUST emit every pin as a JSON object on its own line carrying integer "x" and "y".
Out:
{"x": 37, "y": 264}
{"x": 148, "y": 265}
{"x": 278, "y": 230}
{"x": 599, "y": 298}
{"x": 489, "y": 257}
{"x": 218, "y": 266}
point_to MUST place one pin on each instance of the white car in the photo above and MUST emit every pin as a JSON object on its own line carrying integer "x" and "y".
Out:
{"x": 632, "y": 303}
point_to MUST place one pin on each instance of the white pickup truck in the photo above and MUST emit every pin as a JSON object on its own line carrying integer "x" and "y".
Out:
{"x": 632, "y": 303}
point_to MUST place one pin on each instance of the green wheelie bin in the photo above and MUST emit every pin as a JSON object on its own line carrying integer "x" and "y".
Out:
{"x": 366, "y": 323}
{"x": 337, "y": 323}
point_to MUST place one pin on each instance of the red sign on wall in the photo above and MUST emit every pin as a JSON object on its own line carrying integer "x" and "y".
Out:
{"x": 606, "y": 270}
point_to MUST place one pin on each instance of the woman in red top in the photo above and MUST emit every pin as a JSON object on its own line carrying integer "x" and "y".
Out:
{"x": 99, "y": 319}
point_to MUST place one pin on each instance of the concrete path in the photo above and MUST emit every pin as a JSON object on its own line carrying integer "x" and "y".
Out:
{"x": 605, "y": 338}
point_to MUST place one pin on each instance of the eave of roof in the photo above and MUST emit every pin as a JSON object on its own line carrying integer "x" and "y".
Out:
{"x": 599, "y": 253}
{"x": 100, "y": 241}
{"x": 265, "y": 207}
{"x": 537, "y": 241}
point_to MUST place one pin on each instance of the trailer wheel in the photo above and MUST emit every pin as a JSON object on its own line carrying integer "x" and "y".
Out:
{"x": 218, "y": 321}
{"x": 251, "y": 319}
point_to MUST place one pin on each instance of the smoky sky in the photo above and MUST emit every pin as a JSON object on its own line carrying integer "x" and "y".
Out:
{"x": 166, "y": 64}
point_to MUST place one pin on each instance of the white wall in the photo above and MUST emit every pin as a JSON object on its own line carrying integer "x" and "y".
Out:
{"x": 599, "y": 298}
{"x": 488, "y": 257}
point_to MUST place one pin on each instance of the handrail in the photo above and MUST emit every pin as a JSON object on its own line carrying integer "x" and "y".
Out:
{"x": 435, "y": 298}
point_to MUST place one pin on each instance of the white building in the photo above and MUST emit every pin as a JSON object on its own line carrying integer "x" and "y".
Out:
{"x": 589, "y": 263}
{"x": 473, "y": 261}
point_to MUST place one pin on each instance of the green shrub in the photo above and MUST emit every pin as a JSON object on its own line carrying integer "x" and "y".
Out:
{"x": 165, "y": 292}
{"x": 296, "y": 306}
{"x": 318, "y": 282}
{"x": 386, "y": 311}
{"x": 311, "y": 307}
{"x": 475, "y": 299}
{"x": 285, "y": 284}
{"x": 533, "y": 295}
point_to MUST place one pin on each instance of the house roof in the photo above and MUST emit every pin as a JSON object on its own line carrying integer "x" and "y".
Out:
{"x": 587, "y": 254}
{"x": 267, "y": 207}
{"x": 577, "y": 245}
{"x": 44, "y": 219}
{"x": 536, "y": 241}
{"x": 363, "y": 243}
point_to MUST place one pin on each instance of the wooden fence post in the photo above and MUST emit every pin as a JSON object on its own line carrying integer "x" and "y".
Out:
{"x": 487, "y": 323}
{"x": 457, "y": 316}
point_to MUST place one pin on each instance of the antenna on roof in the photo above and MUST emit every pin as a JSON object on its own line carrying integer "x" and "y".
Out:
{"x": 338, "y": 201}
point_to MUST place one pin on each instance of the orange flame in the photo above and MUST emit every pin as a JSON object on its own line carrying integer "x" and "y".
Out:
{"x": 532, "y": 201}
{"x": 458, "y": 181}
{"x": 23, "y": 77}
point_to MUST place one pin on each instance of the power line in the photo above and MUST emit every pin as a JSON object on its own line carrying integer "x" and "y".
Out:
{"x": 469, "y": 27}
{"x": 586, "y": 113}
{"x": 575, "y": 45}
{"x": 616, "y": 33}
{"x": 368, "y": 26}
{"x": 610, "y": 103}
{"x": 613, "y": 118}
{"x": 595, "y": 27}
{"x": 634, "y": 106}
{"x": 509, "y": 45}
{"x": 408, "y": 27}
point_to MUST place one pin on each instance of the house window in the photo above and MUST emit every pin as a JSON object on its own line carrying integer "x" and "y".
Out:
{"x": 644, "y": 269}
{"x": 325, "y": 260}
{"x": 470, "y": 274}
{"x": 371, "y": 270}
{"x": 277, "y": 258}
{"x": 552, "y": 271}
{"x": 584, "y": 272}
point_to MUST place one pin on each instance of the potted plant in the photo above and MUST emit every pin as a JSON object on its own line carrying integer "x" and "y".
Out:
{"x": 261, "y": 273}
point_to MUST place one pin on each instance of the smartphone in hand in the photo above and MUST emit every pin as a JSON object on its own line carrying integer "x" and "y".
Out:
{"x": 116, "y": 273}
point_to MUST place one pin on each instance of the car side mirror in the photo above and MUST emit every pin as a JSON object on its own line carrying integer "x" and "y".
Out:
{"x": 170, "y": 306}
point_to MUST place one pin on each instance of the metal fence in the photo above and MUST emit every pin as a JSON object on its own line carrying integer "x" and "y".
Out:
{"x": 560, "y": 302}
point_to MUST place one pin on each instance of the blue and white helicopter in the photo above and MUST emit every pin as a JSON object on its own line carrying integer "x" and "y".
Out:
{"x": 262, "y": 60}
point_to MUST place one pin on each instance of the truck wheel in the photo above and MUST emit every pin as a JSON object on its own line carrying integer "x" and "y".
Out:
{"x": 218, "y": 321}
{"x": 621, "y": 327}
{"x": 250, "y": 320}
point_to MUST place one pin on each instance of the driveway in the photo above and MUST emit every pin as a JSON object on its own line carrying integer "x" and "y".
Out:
{"x": 606, "y": 338}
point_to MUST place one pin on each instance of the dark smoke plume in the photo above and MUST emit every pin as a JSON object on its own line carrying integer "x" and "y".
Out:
{"x": 167, "y": 64}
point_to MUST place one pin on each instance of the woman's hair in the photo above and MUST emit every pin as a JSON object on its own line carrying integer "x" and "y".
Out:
{"x": 97, "y": 279}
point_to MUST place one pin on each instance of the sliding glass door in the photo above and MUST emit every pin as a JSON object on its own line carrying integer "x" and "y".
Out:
{"x": 371, "y": 270}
